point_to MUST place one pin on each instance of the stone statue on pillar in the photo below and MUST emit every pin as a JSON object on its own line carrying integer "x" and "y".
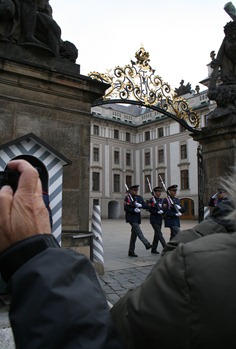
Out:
{"x": 183, "y": 89}
{"x": 217, "y": 151}
{"x": 222, "y": 87}
{"x": 30, "y": 23}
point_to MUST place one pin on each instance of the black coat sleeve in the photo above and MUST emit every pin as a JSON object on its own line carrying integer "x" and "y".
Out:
{"x": 57, "y": 303}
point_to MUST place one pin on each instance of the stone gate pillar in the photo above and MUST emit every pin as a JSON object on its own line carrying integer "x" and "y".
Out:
{"x": 218, "y": 142}
{"x": 42, "y": 92}
{"x": 219, "y": 137}
{"x": 50, "y": 98}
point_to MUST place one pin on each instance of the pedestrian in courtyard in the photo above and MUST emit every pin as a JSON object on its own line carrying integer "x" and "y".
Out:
{"x": 218, "y": 197}
{"x": 173, "y": 210}
{"x": 156, "y": 213}
{"x": 56, "y": 298}
{"x": 132, "y": 206}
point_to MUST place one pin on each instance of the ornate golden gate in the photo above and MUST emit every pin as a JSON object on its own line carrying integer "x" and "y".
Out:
{"x": 137, "y": 83}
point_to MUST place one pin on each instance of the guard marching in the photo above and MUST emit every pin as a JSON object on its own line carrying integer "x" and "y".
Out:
{"x": 156, "y": 213}
{"x": 173, "y": 210}
{"x": 132, "y": 206}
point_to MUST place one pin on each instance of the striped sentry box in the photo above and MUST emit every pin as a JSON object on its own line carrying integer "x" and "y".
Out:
{"x": 32, "y": 146}
{"x": 206, "y": 212}
{"x": 96, "y": 229}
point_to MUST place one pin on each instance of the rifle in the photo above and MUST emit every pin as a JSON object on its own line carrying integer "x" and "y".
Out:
{"x": 169, "y": 196}
{"x": 151, "y": 191}
{"x": 150, "y": 188}
{"x": 127, "y": 191}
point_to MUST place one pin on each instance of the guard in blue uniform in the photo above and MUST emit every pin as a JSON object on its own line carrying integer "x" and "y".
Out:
{"x": 218, "y": 197}
{"x": 132, "y": 206}
{"x": 173, "y": 210}
{"x": 156, "y": 213}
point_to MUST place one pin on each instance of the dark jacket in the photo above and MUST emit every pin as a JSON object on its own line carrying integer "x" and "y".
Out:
{"x": 57, "y": 301}
{"x": 129, "y": 206}
{"x": 155, "y": 205}
{"x": 188, "y": 300}
{"x": 171, "y": 219}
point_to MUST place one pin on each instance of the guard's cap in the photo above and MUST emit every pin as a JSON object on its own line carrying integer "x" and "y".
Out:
{"x": 173, "y": 187}
{"x": 136, "y": 186}
{"x": 157, "y": 189}
{"x": 221, "y": 190}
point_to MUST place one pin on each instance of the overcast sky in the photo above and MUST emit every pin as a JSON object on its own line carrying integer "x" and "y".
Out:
{"x": 178, "y": 34}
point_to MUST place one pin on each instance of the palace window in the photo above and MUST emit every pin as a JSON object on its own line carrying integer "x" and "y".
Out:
{"x": 146, "y": 186}
{"x": 116, "y": 157}
{"x": 96, "y": 181}
{"x": 127, "y": 137}
{"x": 160, "y": 132}
{"x": 96, "y": 130}
{"x": 147, "y": 158}
{"x": 160, "y": 156}
{"x": 96, "y": 154}
{"x": 162, "y": 175}
{"x": 128, "y": 181}
{"x": 184, "y": 177}
{"x": 182, "y": 128}
{"x": 128, "y": 159}
{"x": 116, "y": 134}
{"x": 116, "y": 183}
{"x": 147, "y": 135}
{"x": 183, "y": 151}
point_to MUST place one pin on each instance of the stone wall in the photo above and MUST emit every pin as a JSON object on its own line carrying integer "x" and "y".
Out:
{"x": 218, "y": 142}
{"x": 50, "y": 98}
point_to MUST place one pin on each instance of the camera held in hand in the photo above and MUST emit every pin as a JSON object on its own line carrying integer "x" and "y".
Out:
{"x": 9, "y": 177}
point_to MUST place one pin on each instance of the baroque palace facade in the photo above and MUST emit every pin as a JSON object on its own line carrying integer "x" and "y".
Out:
{"x": 130, "y": 143}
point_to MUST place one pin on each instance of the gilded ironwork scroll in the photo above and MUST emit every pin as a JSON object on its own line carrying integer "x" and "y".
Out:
{"x": 138, "y": 82}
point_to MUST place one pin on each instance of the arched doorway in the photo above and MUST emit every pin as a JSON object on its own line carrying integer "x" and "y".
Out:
{"x": 189, "y": 208}
{"x": 113, "y": 210}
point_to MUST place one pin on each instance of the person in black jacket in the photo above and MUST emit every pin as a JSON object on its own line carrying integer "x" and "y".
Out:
{"x": 57, "y": 301}
{"x": 132, "y": 206}
{"x": 156, "y": 213}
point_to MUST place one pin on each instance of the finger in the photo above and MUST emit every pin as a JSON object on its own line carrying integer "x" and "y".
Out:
{"x": 6, "y": 189}
{"x": 19, "y": 165}
{"x": 29, "y": 177}
{"x": 6, "y": 197}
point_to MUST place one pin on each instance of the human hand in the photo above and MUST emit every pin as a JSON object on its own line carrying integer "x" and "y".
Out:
{"x": 23, "y": 214}
{"x": 160, "y": 212}
{"x": 215, "y": 195}
{"x": 178, "y": 214}
{"x": 137, "y": 204}
{"x": 178, "y": 206}
{"x": 137, "y": 210}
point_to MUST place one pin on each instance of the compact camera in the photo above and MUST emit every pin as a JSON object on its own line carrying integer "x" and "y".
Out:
{"x": 9, "y": 177}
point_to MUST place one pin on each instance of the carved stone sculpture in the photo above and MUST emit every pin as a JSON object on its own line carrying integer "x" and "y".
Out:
{"x": 224, "y": 69}
{"x": 30, "y": 23}
{"x": 183, "y": 89}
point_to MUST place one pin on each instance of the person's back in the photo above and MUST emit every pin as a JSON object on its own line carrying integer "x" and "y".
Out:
{"x": 188, "y": 300}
